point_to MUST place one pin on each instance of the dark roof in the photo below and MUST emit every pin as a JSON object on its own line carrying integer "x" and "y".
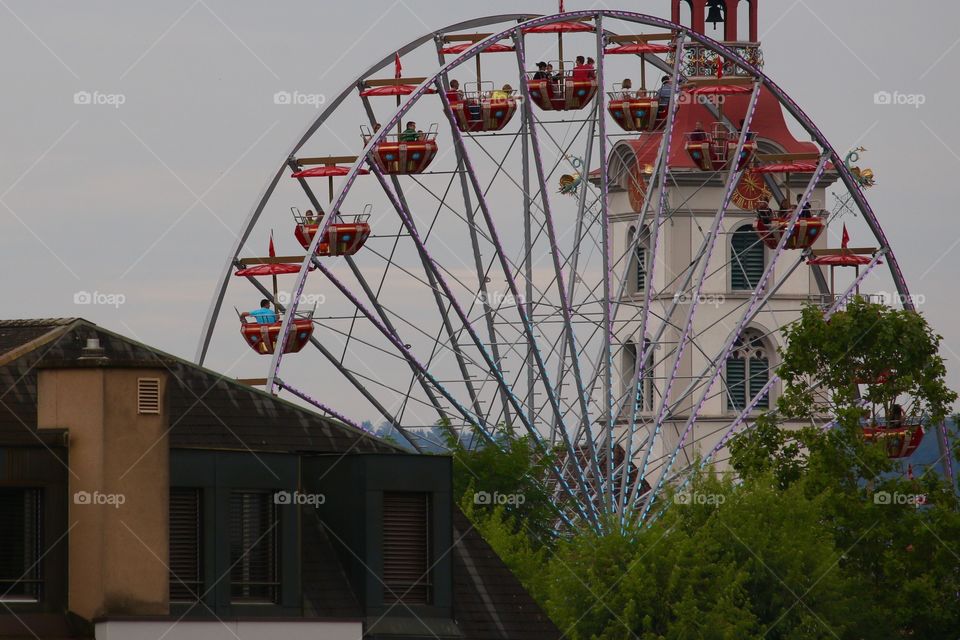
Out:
{"x": 16, "y": 334}
{"x": 327, "y": 591}
{"x": 489, "y": 601}
{"x": 207, "y": 410}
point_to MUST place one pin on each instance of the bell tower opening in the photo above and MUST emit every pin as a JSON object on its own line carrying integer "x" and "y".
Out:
{"x": 726, "y": 20}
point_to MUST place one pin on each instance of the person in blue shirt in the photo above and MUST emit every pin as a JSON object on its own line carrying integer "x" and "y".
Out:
{"x": 263, "y": 315}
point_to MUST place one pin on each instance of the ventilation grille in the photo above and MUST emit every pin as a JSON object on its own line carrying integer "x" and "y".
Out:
{"x": 406, "y": 547}
{"x": 148, "y": 396}
{"x": 186, "y": 545}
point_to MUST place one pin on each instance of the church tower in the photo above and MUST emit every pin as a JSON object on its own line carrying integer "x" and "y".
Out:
{"x": 738, "y": 257}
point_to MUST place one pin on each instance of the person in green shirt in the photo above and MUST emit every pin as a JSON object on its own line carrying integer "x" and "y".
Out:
{"x": 410, "y": 134}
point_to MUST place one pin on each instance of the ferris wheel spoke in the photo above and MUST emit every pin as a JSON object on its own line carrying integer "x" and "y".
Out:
{"x": 481, "y": 277}
{"x": 751, "y": 405}
{"x": 438, "y": 279}
{"x": 555, "y": 254}
{"x": 733, "y": 175}
{"x": 659, "y": 175}
{"x": 750, "y": 312}
{"x": 518, "y": 300}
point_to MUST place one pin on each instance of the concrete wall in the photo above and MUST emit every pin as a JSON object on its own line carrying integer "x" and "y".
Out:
{"x": 118, "y": 488}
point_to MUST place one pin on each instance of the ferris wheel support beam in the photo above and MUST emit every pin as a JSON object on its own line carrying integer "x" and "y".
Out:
{"x": 555, "y": 254}
{"x": 475, "y": 244}
{"x": 658, "y": 178}
{"x": 574, "y": 258}
{"x": 733, "y": 176}
{"x": 607, "y": 249}
{"x": 525, "y": 125}
{"x": 752, "y": 404}
{"x": 748, "y": 314}
{"x": 441, "y": 281}
{"x": 398, "y": 198}
{"x": 518, "y": 300}
{"x": 437, "y": 284}
{"x": 373, "y": 297}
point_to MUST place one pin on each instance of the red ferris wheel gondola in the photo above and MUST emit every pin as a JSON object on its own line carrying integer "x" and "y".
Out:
{"x": 485, "y": 108}
{"x": 262, "y": 332}
{"x": 899, "y": 442}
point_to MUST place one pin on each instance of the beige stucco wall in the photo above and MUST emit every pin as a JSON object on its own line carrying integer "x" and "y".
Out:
{"x": 119, "y": 488}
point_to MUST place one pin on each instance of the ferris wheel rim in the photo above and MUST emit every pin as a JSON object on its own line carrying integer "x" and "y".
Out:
{"x": 516, "y": 30}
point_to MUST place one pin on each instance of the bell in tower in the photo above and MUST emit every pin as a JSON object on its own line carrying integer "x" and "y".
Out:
{"x": 715, "y": 12}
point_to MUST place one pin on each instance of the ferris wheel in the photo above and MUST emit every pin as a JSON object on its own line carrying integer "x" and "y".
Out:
{"x": 598, "y": 253}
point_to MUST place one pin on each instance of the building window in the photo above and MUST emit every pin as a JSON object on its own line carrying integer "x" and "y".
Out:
{"x": 747, "y": 259}
{"x": 644, "y": 390}
{"x": 747, "y": 372}
{"x": 186, "y": 545}
{"x": 406, "y": 547}
{"x": 254, "y": 548}
{"x": 638, "y": 259}
{"x": 21, "y": 578}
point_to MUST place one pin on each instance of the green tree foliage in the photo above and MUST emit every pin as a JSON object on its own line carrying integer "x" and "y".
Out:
{"x": 819, "y": 535}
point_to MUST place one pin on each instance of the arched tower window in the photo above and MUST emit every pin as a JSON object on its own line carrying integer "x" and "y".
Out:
{"x": 638, "y": 259}
{"x": 747, "y": 259}
{"x": 747, "y": 371}
{"x": 643, "y": 390}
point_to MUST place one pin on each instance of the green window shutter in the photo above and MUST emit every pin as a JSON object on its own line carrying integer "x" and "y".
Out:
{"x": 736, "y": 384}
{"x": 759, "y": 375}
{"x": 746, "y": 260}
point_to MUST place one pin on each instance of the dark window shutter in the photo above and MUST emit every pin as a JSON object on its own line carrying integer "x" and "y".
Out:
{"x": 186, "y": 545}
{"x": 746, "y": 260}
{"x": 406, "y": 547}
{"x": 254, "y": 536}
{"x": 736, "y": 384}
{"x": 21, "y": 511}
{"x": 641, "y": 260}
{"x": 759, "y": 375}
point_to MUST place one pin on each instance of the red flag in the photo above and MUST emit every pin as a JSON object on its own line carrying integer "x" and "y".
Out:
{"x": 273, "y": 252}
{"x": 719, "y": 63}
{"x": 561, "y": 6}
{"x": 397, "y": 67}
{"x": 845, "y": 240}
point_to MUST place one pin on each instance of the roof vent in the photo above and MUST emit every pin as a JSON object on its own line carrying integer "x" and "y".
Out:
{"x": 93, "y": 350}
{"x": 148, "y": 396}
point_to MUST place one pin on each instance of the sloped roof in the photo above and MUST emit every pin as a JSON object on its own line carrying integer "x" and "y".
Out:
{"x": 489, "y": 601}
{"x": 207, "y": 410}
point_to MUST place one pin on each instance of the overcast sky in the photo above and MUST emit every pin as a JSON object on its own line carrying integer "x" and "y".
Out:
{"x": 138, "y": 192}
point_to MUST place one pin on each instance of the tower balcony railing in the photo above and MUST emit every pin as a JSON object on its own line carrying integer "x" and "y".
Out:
{"x": 700, "y": 62}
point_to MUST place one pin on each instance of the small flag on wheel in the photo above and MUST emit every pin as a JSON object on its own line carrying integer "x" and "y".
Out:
{"x": 845, "y": 239}
{"x": 397, "y": 67}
